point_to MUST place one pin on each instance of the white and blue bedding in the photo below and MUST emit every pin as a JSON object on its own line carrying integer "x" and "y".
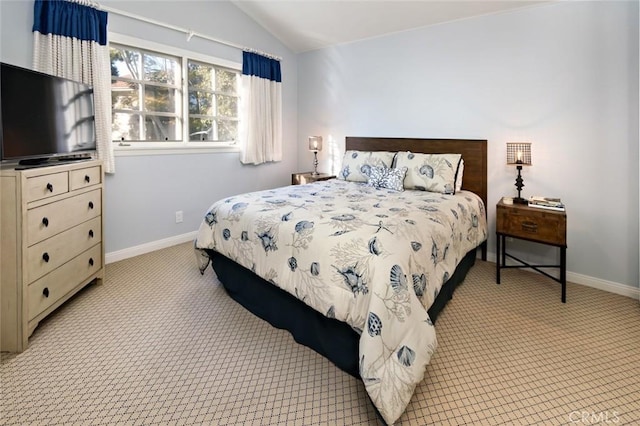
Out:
{"x": 375, "y": 259}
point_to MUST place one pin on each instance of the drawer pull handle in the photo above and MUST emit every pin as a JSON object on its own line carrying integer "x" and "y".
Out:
{"x": 45, "y": 257}
{"x": 45, "y": 292}
{"x": 90, "y": 233}
{"x": 87, "y": 178}
{"x": 45, "y": 221}
{"x": 91, "y": 205}
{"x": 530, "y": 226}
{"x": 91, "y": 261}
{"x": 50, "y": 187}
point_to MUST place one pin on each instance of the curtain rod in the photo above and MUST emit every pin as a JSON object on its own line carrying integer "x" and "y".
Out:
{"x": 190, "y": 33}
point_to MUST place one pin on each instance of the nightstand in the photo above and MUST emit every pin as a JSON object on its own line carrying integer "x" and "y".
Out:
{"x": 532, "y": 224}
{"x": 307, "y": 177}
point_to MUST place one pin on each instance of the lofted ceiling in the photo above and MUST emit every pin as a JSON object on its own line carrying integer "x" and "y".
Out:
{"x": 304, "y": 25}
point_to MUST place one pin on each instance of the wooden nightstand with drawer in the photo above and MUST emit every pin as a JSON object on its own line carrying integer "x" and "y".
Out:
{"x": 308, "y": 177}
{"x": 532, "y": 224}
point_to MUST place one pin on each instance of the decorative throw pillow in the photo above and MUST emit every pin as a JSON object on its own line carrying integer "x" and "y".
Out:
{"x": 356, "y": 165}
{"x": 459, "y": 176}
{"x": 430, "y": 172}
{"x": 385, "y": 177}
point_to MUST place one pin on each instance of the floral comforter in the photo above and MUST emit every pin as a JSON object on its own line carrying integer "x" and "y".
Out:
{"x": 375, "y": 259}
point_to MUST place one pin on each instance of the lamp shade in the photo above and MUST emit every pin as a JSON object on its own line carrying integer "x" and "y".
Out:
{"x": 519, "y": 153}
{"x": 315, "y": 143}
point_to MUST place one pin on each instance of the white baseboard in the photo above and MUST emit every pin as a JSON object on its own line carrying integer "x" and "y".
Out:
{"x": 115, "y": 256}
{"x": 600, "y": 284}
{"x": 611, "y": 287}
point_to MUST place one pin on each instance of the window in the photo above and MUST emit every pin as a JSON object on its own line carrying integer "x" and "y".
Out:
{"x": 145, "y": 95}
{"x": 213, "y": 102}
{"x": 167, "y": 99}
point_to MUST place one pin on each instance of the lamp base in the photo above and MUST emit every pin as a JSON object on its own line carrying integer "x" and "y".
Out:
{"x": 519, "y": 186}
{"x": 315, "y": 173}
{"x": 520, "y": 200}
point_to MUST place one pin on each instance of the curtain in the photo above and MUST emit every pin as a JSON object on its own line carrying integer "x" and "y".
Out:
{"x": 70, "y": 41}
{"x": 261, "y": 110}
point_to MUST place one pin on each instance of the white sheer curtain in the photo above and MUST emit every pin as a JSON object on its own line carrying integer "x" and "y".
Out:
{"x": 261, "y": 110}
{"x": 70, "y": 41}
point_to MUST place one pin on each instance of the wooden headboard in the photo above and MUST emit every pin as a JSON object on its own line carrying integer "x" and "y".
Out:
{"x": 474, "y": 153}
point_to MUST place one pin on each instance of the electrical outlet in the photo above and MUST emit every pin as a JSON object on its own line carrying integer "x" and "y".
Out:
{"x": 179, "y": 216}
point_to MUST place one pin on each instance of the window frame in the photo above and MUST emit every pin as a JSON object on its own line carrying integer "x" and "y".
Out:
{"x": 184, "y": 146}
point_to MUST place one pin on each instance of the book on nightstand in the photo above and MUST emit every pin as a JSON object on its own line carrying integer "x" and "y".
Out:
{"x": 548, "y": 203}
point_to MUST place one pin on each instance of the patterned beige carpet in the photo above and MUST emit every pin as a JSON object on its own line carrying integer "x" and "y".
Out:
{"x": 160, "y": 344}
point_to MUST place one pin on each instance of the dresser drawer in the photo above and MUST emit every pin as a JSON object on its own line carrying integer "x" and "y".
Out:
{"x": 45, "y": 186}
{"x": 51, "y": 219}
{"x": 47, "y": 255}
{"x": 84, "y": 177}
{"x": 55, "y": 285}
{"x": 540, "y": 226}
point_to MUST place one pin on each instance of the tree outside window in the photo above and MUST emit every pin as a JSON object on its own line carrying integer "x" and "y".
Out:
{"x": 147, "y": 98}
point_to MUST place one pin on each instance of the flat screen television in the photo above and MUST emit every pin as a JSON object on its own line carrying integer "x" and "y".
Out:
{"x": 44, "y": 117}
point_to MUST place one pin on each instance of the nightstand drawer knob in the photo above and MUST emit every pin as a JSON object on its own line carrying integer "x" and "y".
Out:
{"x": 91, "y": 205}
{"x": 45, "y": 292}
{"x": 45, "y": 257}
{"x": 91, "y": 261}
{"x": 530, "y": 226}
{"x": 45, "y": 221}
{"x": 87, "y": 178}
{"x": 50, "y": 187}
{"x": 90, "y": 233}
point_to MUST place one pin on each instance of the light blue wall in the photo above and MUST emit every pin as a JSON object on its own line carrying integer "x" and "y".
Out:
{"x": 149, "y": 190}
{"x": 563, "y": 76}
{"x": 146, "y": 191}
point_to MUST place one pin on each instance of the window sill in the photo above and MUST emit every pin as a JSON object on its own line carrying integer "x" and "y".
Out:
{"x": 132, "y": 151}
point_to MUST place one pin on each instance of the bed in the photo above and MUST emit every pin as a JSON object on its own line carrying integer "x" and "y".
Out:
{"x": 351, "y": 270}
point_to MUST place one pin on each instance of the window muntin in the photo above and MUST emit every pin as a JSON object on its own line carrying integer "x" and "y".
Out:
{"x": 148, "y": 102}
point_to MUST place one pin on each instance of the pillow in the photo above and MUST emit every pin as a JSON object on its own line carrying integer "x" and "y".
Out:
{"x": 430, "y": 172}
{"x": 388, "y": 178}
{"x": 357, "y": 164}
{"x": 459, "y": 176}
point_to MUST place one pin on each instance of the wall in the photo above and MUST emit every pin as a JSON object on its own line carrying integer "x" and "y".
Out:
{"x": 146, "y": 191}
{"x": 562, "y": 76}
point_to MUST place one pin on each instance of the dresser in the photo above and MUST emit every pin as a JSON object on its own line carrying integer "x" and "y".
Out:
{"x": 51, "y": 240}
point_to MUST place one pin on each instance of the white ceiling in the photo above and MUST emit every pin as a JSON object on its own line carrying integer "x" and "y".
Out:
{"x": 304, "y": 25}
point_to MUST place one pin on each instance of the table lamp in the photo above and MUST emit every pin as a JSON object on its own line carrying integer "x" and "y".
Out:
{"x": 315, "y": 145}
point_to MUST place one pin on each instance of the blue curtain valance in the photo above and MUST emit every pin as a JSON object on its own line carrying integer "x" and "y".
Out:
{"x": 64, "y": 18}
{"x": 261, "y": 66}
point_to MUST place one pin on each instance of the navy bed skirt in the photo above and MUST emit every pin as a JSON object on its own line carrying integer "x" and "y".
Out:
{"x": 333, "y": 339}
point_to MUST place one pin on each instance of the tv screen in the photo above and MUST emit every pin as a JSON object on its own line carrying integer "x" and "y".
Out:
{"x": 44, "y": 116}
